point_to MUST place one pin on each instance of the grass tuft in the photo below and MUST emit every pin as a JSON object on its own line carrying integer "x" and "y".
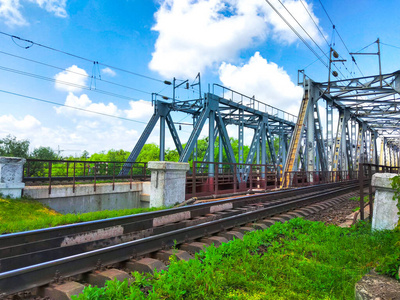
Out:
{"x": 296, "y": 260}
{"x": 22, "y": 214}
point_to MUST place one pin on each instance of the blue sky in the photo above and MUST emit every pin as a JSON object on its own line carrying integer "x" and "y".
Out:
{"x": 241, "y": 44}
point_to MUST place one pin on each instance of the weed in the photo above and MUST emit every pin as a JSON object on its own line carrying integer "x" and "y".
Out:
{"x": 296, "y": 260}
{"x": 22, "y": 214}
{"x": 366, "y": 199}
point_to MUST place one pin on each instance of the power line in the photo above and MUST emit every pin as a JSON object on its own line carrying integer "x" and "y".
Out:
{"x": 315, "y": 23}
{"x": 69, "y": 106}
{"x": 13, "y": 37}
{"x": 390, "y": 45}
{"x": 335, "y": 29}
{"x": 365, "y": 47}
{"x": 302, "y": 28}
{"x": 73, "y": 72}
{"x": 84, "y": 87}
{"x": 298, "y": 35}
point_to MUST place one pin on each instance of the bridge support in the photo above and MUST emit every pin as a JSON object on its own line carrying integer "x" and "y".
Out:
{"x": 168, "y": 182}
{"x": 385, "y": 211}
{"x": 11, "y": 173}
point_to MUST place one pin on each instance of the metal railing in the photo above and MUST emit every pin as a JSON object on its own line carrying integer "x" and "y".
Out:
{"x": 51, "y": 172}
{"x": 305, "y": 178}
{"x": 365, "y": 173}
{"x": 251, "y": 102}
{"x": 228, "y": 178}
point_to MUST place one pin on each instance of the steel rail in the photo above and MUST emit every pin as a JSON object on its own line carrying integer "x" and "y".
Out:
{"x": 47, "y": 234}
{"x": 41, "y": 274}
{"x": 25, "y": 255}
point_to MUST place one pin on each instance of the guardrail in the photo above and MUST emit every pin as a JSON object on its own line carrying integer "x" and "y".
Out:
{"x": 305, "y": 178}
{"x": 50, "y": 172}
{"x": 251, "y": 102}
{"x": 228, "y": 178}
{"x": 366, "y": 172}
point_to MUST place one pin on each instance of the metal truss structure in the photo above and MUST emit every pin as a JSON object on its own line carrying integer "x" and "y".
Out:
{"x": 223, "y": 107}
{"x": 367, "y": 109}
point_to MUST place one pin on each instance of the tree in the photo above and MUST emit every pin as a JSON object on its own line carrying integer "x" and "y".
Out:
{"x": 85, "y": 155}
{"x": 45, "y": 153}
{"x": 150, "y": 152}
{"x": 41, "y": 168}
{"x": 10, "y": 146}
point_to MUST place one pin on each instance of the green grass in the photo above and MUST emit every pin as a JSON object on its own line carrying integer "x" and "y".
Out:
{"x": 366, "y": 199}
{"x": 296, "y": 260}
{"x": 22, "y": 214}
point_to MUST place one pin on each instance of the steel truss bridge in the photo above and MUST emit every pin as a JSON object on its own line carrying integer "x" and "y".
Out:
{"x": 362, "y": 109}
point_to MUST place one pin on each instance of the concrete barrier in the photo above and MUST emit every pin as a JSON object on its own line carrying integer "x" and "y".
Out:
{"x": 11, "y": 172}
{"x": 64, "y": 200}
{"x": 385, "y": 211}
{"x": 168, "y": 182}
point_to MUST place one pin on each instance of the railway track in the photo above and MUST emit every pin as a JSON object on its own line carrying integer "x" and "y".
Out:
{"x": 35, "y": 258}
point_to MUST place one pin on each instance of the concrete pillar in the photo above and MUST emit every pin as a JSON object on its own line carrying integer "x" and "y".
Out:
{"x": 11, "y": 172}
{"x": 168, "y": 182}
{"x": 385, "y": 211}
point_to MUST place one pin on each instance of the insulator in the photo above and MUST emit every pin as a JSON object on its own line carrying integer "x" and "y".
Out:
{"x": 167, "y": 82}
{"x": 334, "y": 73}
{"x": 335, "y": 54}
{"x": 165, "y": 97}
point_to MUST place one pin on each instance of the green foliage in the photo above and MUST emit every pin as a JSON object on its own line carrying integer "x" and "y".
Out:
{"x": 24, "y": 214}
{"x": 10, "y": 146}
{"x": 357, "y": 199}
{"x": 390, "y": 264}
{"x": 395, "y": 182}
{"x": 296, "y": 260}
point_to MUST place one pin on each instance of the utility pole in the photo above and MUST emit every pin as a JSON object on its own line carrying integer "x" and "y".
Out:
{"x": 379, "y": 59}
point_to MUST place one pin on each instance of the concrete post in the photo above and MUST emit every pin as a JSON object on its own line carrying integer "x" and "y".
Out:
{"x": 168, "y": 182}
{"x": 385, "y": 211}
{"x": 11, "y": 171}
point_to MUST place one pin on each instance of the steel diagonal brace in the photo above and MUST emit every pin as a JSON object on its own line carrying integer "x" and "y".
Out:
{"x": 139, "y": 145}
{"x": 194, "y": 135}
{"x": 206, "y": 154}
{"x": 252, "y": 151}
{"x": 174, "y": 134}
{"x": 270, "y": 144}
{"x": 227, "y": 143}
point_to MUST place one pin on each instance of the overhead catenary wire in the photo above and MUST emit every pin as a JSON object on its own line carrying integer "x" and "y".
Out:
{"x": 84, "y": 87}
{"x": 298, "y": 35}
{"x": 13, "y": 37}
{"x": 74, "y": 72}
{"x": 301, "y": 38}
{"x": 305, "y": 31}
{"x": 390, "y": 45}
{"x": 340, "y": 37}
{"x": 70, "y": 106}
{"x": 315, "y": 23}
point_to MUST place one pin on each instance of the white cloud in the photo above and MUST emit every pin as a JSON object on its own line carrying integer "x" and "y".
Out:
{"x": 195, "y": 35}
{"x": 139, "y": 109}
{"x": 71, "y": 79}
{"x": 84, "y": 102}
{"x": 10, "y": 10}
{"x": 53, "y": 6}
{"x": 108, "y": 71}
{"x": 28, "y": 122}
{"x": 85, "y": 135}
{"x": 266, "y": 80}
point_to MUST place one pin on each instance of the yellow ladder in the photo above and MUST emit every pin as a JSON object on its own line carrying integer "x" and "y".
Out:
{"x": 295, "y": 141}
